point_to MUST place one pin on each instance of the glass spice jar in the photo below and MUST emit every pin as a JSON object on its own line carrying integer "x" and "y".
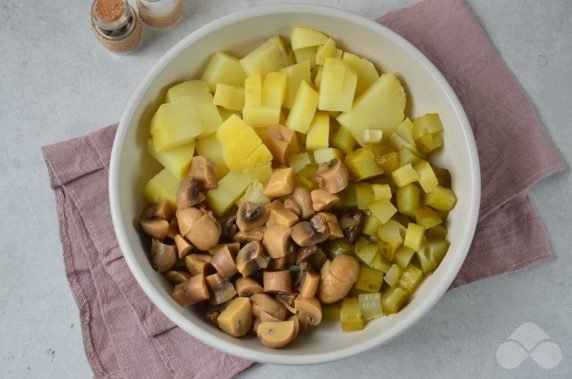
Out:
{"x": 160, "y": 13}
{"x": 116, "y": 25}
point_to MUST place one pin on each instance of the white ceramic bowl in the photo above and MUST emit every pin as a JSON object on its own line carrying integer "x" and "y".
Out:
{"x": 427, "y": 91}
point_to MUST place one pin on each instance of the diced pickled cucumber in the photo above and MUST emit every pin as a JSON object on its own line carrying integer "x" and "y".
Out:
{"x": 425, "y": 260}
{"x": 405, "y": 175}
{"x": 427, "y": 217}
{"x": 337, "y": 247}
{"x": 331, "y": 312}
{"x": 403, "y": 256}
{"x": 370, "y": 225}
{"x": 351, "y": 317}
{"x": 414, "y": 236}
{"x": 427, "y": 178}
{"x": 437, "y": 249}
{"x": 441, "y": 198}
{"x": 443, "y": 176}
{"x": 362, "y": 164}
{"x": 383, "y": 210}
{"x": 344, "y": 140}
{"x": 379, "y": 263}
{"x": 370, "y": 304}
{"x": 389, "y": 239}
{"x": 393, "y": 300}
{"x": 408, "y": 199}
{"x": 364, "y": 195}
{"x": 369, "y": 280}
{"x": 365, "y": 250}
{"x": 305, "y": 178}
{"x": 392, "y": 275}
{"x": 407, "y": 156}
{"x": 410, "y": 279}
{"x": 381, "y": 191}
{"x": 388, "y": 162}
{"x": 348, "y": 197}
{"x": 438, "y": 231}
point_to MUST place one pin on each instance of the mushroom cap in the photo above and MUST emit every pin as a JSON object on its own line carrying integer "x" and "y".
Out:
{"x": 229, "y": 228}
{"x": 163, "y": 256}
{"x": 280, "y": 215}
{"x": 351, "y": 223}
{"x": 205, "y": 232}
{"x": 161, "y": 210}
{"x": 262, "y": 302}
{"x": 183, "y": 246}
{"x": 276, "y": 241}
{"x": 222, "y": 289}
{"x": 223, "y": 262}
{"x": 308, "y": 233}
{"x": 251, "y": 216}
{"x": 195, "y": 289}
{"x": 251, "y": 258}
{"x": 253, "y": 235}
{"x": 310, "y": 283}
{"x": 197, "y": 263}
{"x": 323, "y": 200}
{"x": 276, "y": 334}
{"x": 176, "y": 277}
{"x": 303, "y": 198}
{"x": 155, "y": 227}
{"x": 281, "y": 183}
{"x": 345, "y": 268}
{"x": 236, "y": 319}
{"x": 278, "y": 138}
{"x": 332, "y": 176}
{"x": 277, "y": 281}
{"x": 310, "y": 308}
{"x": 186, "y": 218}
{"x": 204, "y": 172}
{"x": 247, "y": 286}
{"x": 189, "y": 193}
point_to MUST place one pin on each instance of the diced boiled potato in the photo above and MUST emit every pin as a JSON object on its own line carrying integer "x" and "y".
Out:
{"x": 370, "y": 136}
{"x": 327, "y": 50}
{"x": 381, "y": 191}
{"x": 162, "y": 186}
{"x": 414, "y": 236}
{"x": 306, "y": 54}
{"x": 404, "y": 175}
{"x": 260, "y": 173}
{"x": 175, "y": 124}
{"x": 362, "y": 164}
{"x": 230, "y": 129}
{"x": 365, "y": 70}
{"x": 370, "y": 304}
{"x": 427, "y": 178}
{"x": 317, "y": 75}
{"x": 337, "y": 86}
{"x": 389, "y": 239}
{"x": 261, "y": 116}
{"x": 426, "y": 217}
{"x": 326, "y": 155}
{"x": 177, "y": 160}
{"x": 383, "y": 210}
{"x": 381, "y": 106}
{"x": 369, "y": 280}
{"x": 225, "y": 113}
{"x": 210, "y": 148}
{"x": 319, "y": 132}
{"x": 296, "y": 73}
{"x": 209, "y": 116}
{"x": 229, "y": 97}
{"x": 344, "y": 140}
{"x": 351, "y": 317}
{"x": 393, "y": 300}
{"x": 274, "y": 89}
{"x": 303, "y": 109}
{"x": 271, "y": 56}
{"x": 441, "y": 198}
{"x": 304, "y": 37}
{"x": 236, "y": 152}
{"x": 410, "y": 279}
{"x": 403, "y": 256}
{"x": 223, "y": 69}
{"x": 408, "y": 199}
{"x": 259, "y": 157}
{"x": 230, "y": 189}
{"x": 253, "y": 90}
{"x": 196, "y": 91}
{"x": 392, "y": 275}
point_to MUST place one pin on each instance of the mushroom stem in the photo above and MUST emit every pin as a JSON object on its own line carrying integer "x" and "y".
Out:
{"x": 223, "y": 262}
{"x": 247, "y": 287}
{"x": 277, "y": 240}
{"x": 222, "y": 289}
{"x": 277, "y": 281}
{"x": 163, "y": 256}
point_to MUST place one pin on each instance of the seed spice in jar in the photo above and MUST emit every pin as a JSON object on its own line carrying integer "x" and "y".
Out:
{"x": 116, "y": 25}
{"x": 160, "y": 13}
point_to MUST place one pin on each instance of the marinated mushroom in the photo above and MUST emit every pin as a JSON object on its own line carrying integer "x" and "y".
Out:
{"x": 190, "y": 193}
{"x": 222, "y": 290}
{"x": 223, "y": 262}
{"x": 276, "y": 240}
{"x": 333, "y": 225}
{"x": 195, "y": 289}
{"x": 287, "y": 299}
{"x": 213, "y": 311}
{"x": 337, "y": 278}
{"x": 205, "y": 232}
{"x": 178, "y": 294}
{"x": 281, "y": 183}
{"x": 323, "y": 200}
{"x": 173, "y": 228}
{"x": 204, "y": 172}
{"x": 197, "y": 263}
{"x": 278, "y": 214}
{"x": 262, "y": 302}
{"x": 332, "y": 176}
{"x": 277, "y": 281}
{"x": 351, "y": 223}
{"x": 236, "y": 319}
{"x": 308, "y": 233}
{"x": 309, "y": 309}
{"x": 176, "y": 277}
{"x": 310, "y": 283}
{"x": 161, "y": 210}
{"x": 251, "y": 258}
{"x": 267, "y": 317}
{"x": 234, "y": 247}
{"x": 186, "y": 218}
{"x": 251, "y": 216}
{"x": 277, "y": 263}
{"x": 155, "y": 227}
{"x": 247, "y": 287}
{"x": 183, "y": 246}
{"x": 294, "y": 319}
{"x": 302, "y": 197}
{"x": 276, "y": 334}
{"x": 278, "y": 139}
{"x": 163, "y": 256}
{"x": 229, "y": 228}
{"x": 292, "y": 206}
{"x": 253, "y": 235}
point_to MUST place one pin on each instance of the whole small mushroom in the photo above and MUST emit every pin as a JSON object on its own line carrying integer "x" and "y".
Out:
{"x": 332, "y": 176}
{"x": 337, "y": 278}
{"x": 163, "y": 256}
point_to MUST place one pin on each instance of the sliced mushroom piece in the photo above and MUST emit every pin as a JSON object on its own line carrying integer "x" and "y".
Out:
{"x": 183, "y": 246}
{"x": 236, "y": 319}
{"x": 302, "y": 197}
{"x": 222, "y": 290}
{"x": 278, "y": 139}
{"x": 332, "y": 176}
{"x": 186, "y": 218}
{"x": 333, "y": 225}
{"x": 176, "y": 277}
{"x": 351, "y": 223}
{"x": 287, "y": 299}
{"x": 155, "y": 227}
{"x": 303, "y": 322}
{"x": 234, "y": 247}
{"x": 277, "y": 281}
{"x": 197, "y": 263}
{"x": 213, "y": 311}
{"x": 262, "y": 302}
{"x": 189, "y": 193}
{"x": 178, "y": 294}
{"x": 278, "y": 214}
{"x": 254, "y": 326}
{"x": 310, "y": 283}
{"x": 253, "y": 235}
{"x": 267, "y": 317}
{"x": 162, "y": 210}
{"x": 276, "y": 241}
{"x": 223, "y": 262}
{"x": 308, "y": 233}
{"x": 292, "y": 206}
{"x": 294, "y": 319}
{"x": 251, "y": 258}
{"x": 247, "y": 287}
{"x": 204, "y": 172}
{"x": 281, "y": 183}
{"x": 173, "y": 228}
{"x": 163, "y": 256}
{"x": 229, "y": 228}
{"x": 276, "y": 334}
{"x": 251, "y": 216}
{"x": 304, "y": 253}
{"x": 323, "y": 200}
{"x": 311, "y": 307}
{"x": 277, "y": 264}
{"x": 205, "y": 232}
{"x": 195, "y": 289}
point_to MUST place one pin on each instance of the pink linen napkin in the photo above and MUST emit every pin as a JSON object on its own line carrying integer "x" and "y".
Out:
{"x": 125, "y": 336}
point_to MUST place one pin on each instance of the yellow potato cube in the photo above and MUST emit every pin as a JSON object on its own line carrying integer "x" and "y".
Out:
{"x": 414, "y": 236}
{"x": 299, "y": 161}
{"x": 344, "y": 140}
{"x": 337, "y": 86}
{"x": 303, "y": 109}
{"x": 306, "y": 54}
{"x": 381, "y": 106}
{"x": 261, "y": 116}
{"x": 427, "y": 178}
{"x": 230, "y": 189}
{"x": 209, "y": 116}
{"x": 381, "y": 191}
{"x": 301, "y": 38}
{"x": 162, "y": 186}
{"x": 236, "y": 152}
{"x": 260, "y": 173}
{"x": 296, "y": 74}
{"x": 253, "y": 91}
{"x": 319, "y": 132}
{"x": 229, "y": 97}
{"x": 441, "y": 199}
{"x": 223, "y": 69}
{"x": 176, "y": 160}
{"x": 175, "y": 124}
{"x": 383, "y": 210}
{"x": 271, "y": 56}
{"x": 317, "y": 75}
{"x": 225, "y": 113}
{"x": 326, "y": 155}
{"x": 210, "y": 148}
{"x": 260, "y": 156}
{"x": 405, "y": 175}
{"x": 371, "y": 136}
{"x": 196, "y": 91}
{"x": 274, "y": 89}
{"x": 327, "y": 50}
{"x": 365, "y": 70}
{"x": 230, "y": 129}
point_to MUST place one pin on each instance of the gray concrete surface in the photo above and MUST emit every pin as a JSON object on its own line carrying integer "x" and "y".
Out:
{"x": 56, "y": 82}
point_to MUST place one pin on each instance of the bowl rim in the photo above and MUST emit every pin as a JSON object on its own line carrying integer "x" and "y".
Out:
{"x": 235, "y": 349}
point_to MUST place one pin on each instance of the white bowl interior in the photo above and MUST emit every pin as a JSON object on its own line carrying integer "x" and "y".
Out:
{"x": 237, "y": 34}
